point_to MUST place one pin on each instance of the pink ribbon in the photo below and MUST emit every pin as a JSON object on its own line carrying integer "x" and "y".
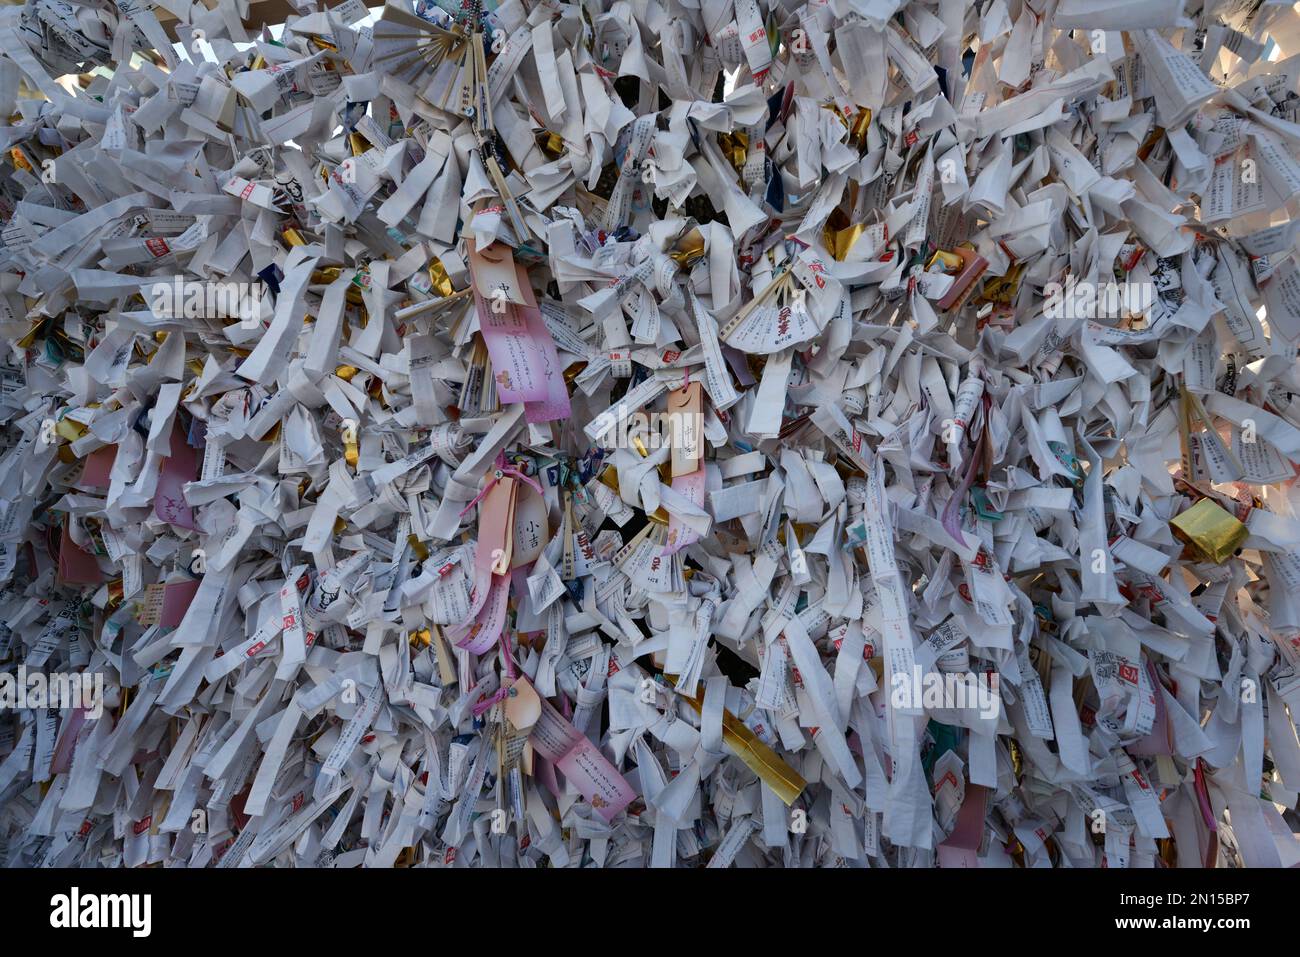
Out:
{"x": 503, "y": 469}
{"x": 512, "y": 672}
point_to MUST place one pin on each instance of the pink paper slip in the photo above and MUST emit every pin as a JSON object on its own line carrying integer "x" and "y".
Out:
{"x": 99, "y": 464}
{"x": 176, "y": 601}
{"x": 177, "y": 469}
{"x": 519, "y": 362}
{"x": 77, "y": 567}
{"x": 961, "y": 847}
{"x": 581, "y": 763}
{"x": 556, "y": 403}
{"x": 479, "y": 635}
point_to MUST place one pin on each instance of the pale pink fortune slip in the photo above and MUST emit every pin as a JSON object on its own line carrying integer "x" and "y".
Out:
{"x": 525, "y": 364}
{"x": 479, "y": 635}
{"x": 490, "y": 593}
{"x": 518, "y": 360}
{"x": 686, "y": 411}
{"x": 556, "y": 403}
{"x": 581, "y": 763}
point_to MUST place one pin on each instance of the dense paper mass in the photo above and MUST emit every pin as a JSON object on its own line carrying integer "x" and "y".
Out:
{"x": 727, "y": 433}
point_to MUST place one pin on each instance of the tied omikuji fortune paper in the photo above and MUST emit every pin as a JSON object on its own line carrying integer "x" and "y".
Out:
{"x": 681, "y": 433}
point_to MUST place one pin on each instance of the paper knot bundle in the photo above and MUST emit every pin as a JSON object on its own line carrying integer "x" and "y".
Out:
{"x": 650, "y": 433}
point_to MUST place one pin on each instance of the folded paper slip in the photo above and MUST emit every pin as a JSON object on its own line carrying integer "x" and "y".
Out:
{"x": 758, "y": 757}
{"x": 1211, "y": 532}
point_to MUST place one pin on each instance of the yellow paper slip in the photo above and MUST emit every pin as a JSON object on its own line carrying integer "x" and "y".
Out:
{"x": 784, "y": 780}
